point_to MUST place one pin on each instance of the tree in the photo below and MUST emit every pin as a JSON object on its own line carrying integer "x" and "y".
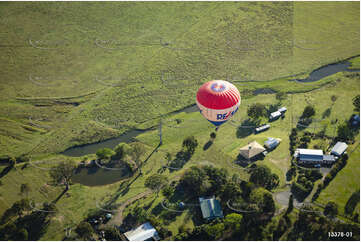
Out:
{"x": 194, "y": 181}
{"x": 21, "y": 235}
{"x": 230, "y": 191}
{"x": 356, "y": 103}
{"x": 344, "y": 132}
{"x": 331, "y": 209}
{"x": 290, "y": 204}
{"x": 308, "y": 112}
{"x": 281, "y": 96}
{"x": 333, "y": 98}
{"x": 105, "y": 153}
{"x": 121, "y": 150}
{"x": 156, "y": 182}
{"x": 233, "y": 221}
{"x": 84, "y": 230}
{"x": 62, "y": 173}
{"x": 213, "y": 135}
{"x": 190, "y": 143}
{"x": 256, "y": 110}
{"x": 168, "y": 191}
{"x": 137, "y": 150}
{"x": 112, "y": 234}
{"x": 262, "y": 176}
{"x": 25, "y": 189}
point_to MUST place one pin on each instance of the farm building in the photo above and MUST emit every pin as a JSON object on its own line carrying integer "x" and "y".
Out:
{"x": 275, "y": 115}
{"x": 142, "y": 233}
{"x": 251, "y": 150}
{"x": 339, "y": 148}
{"x": 211, "y": 208}
{"x": 262, "y": 128}
{"x": 328, "y": 159}
{"x": 272, "y": 143}
{"x": 309, "y": 156}
{"x": 282, "y": 110}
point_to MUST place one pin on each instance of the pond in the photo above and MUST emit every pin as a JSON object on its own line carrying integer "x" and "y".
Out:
{"x": 97, "y": 176}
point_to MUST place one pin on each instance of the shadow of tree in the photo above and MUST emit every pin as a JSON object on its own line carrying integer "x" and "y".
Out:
{"x": 182, "y": 157}
{"x": 246, "y": 128}
{"x": 6, "y": 170}
{"x": 207, "y": 145}
{"x": 326, "y": 113}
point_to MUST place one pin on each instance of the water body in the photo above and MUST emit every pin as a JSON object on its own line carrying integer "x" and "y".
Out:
{"x": 97, "y": 176}
{"x": 109, "y": 143}
{"x": 328, "y": 70}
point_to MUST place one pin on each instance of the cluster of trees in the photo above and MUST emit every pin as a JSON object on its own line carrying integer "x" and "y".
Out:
{"x": 19, "y": 222}
{"x": 305, "y": 182}
{"x": 123, "y": 153}
{"x": 314, "y": 226}
{"x": 256, "y": 111}
{"x": 351, "y": 205}
{"x": 306, "y": 117}
{"x": 189, "y": 146}
{"x": 262, "y": 176}
{"x": 340, "y": 163}
{"x": 138, "y": 216}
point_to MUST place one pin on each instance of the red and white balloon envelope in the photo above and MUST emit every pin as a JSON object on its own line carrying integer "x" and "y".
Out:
{"x": 218, "y": 101}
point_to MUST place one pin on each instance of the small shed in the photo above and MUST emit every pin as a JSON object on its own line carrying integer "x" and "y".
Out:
{"x": 211, "y": 208}
{"x": 262, "y": 128}
{"x": 275, "y": 115}
{"x": 339, "y": 148}
{"x": 272, "y": 143}
{"x": 251, "y": 150}
{"x": 142, "y": 233}
{"x": 282, "y": 110}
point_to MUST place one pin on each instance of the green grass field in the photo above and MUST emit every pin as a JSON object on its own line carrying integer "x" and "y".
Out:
{"x": 77, "y": 73}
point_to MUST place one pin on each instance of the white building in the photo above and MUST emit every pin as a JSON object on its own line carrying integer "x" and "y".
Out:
{"x": 142, "y": 233}
{"x": 339, "y": 148}
{"x": 275, "y": 115}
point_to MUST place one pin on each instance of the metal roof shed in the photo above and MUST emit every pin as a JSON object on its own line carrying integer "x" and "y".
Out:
{"x": 271, "y": 143}
{"x": 282, "y": 110}
{"x": 144, "y": 232}
{"x": 275, "y": 115}
{"x": 306, "y": 155}
{"x": 339, "y": 148}
{"x": 211, "y": 208}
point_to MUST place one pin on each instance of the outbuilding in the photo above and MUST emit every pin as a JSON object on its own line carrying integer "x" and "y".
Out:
{"x": 144, "y": 232}
{"x": 282, "y": 110}
{"x": 275, "y": 115}
{"x": 262, "y": 128}
{"x": 211, "y": 208}
{"x": 328, "y": 159}
{"x": 272, "y": 143}
{"x": 251, "y": 150}
{"x": 339, "y": 148}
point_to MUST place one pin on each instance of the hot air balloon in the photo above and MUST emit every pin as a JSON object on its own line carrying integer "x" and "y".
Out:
{"x": 218, "y": 101}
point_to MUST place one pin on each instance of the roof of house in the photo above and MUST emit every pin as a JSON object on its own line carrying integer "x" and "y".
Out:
{"x": 142, "y": 233}
{"x": 251, "y": 150}
{"x": 211, "y": 208}
{"x": 339, "y": 148}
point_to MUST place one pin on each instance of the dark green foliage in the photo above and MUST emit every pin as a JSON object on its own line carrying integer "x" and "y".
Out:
{"x": 105, "y": 153}
{"x": 213, "y": 135}
{"x": 168, "y": 191}
{"x": 112, "y": 234}
{"x": 345, "y": 133}
{"x": 299, "y": 191}
{"x": 156, "y": 181}
{"x": 281, "y": 96}
{"x": 84, "y": 230}
{"x": 194, "y": 181}
{"x": 290, "y": 204}
{"x": 262, "y": 176}
{"x": 352, "y": 202}
{"x": 356, "y": 103}
{"x": 331, "y": 209}
{"x": 63, "y": 172}
{"x": 190, "y": 143}
{"x": 256, "y": 111}
{"x": 121, "y": 150}
{"x": 308, "y": 112}
{"x": 137, "y": 150}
